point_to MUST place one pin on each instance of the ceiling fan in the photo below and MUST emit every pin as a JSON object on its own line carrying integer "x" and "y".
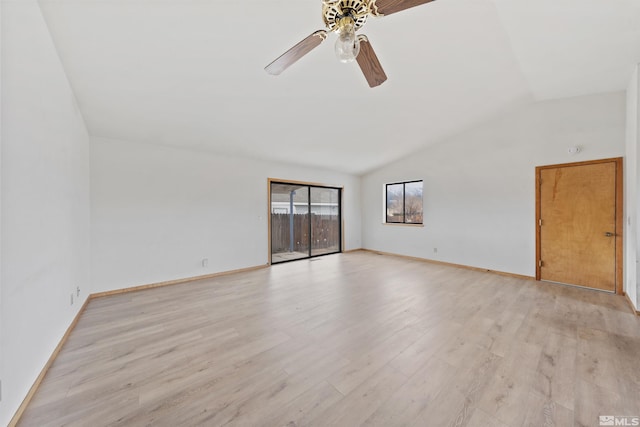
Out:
{"x": 345, "y": 17}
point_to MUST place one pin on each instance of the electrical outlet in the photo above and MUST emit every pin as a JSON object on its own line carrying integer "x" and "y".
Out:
{"x": 205, "y": 262}
{"x": 435, "y": 250}
{"x": 77, "y": 291}
{"x": 71, "y": 299}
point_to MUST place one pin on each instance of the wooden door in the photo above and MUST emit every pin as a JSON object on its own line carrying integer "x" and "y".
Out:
{"x": 580, "y": 224}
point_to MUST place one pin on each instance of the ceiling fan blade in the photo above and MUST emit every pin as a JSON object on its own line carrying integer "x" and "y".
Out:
{"x": 285, "y": 60}
{"x": 387, "y": 7}
{"x": 369, "y": 64}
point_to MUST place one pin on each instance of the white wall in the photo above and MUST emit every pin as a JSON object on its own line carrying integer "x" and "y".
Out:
{"x": 632, "y": 183}
{"x": 479, "y": 187}
{"x": 158, "y": 211}
{"x": 2, "y": 406}
{"x": 45, "y": 202}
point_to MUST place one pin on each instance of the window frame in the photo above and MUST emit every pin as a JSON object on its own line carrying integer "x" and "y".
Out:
{"x": 404, "y": 203}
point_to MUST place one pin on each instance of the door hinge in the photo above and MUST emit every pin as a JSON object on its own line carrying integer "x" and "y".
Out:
{"x": 540, "y": 263}
{"x": 540, "y": 222}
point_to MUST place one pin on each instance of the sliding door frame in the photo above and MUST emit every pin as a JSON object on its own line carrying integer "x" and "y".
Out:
{"x": 308, "y": 184}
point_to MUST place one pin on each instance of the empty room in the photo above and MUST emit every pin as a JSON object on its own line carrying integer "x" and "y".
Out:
{"x": 319, "y": 213}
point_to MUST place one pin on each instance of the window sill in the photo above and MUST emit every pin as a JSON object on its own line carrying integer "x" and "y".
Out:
{"x": 401, "y": 224}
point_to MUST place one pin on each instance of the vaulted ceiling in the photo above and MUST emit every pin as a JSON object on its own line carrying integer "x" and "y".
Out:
{"x": 189, "y": 73}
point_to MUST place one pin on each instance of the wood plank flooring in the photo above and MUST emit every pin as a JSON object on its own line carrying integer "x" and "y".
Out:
{"x": 347, "y": 340}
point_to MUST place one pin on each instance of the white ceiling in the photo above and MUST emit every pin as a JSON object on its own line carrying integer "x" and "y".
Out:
{"x": 190, "y": 73}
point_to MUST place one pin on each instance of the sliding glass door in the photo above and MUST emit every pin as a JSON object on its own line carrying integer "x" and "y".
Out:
{"x": 305, "y": 221}
{"x": 289, "y": 222}
{"x": 325, "y": 220}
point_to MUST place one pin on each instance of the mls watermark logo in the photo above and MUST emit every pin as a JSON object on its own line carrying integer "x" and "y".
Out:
{"x": 614, "y": 420}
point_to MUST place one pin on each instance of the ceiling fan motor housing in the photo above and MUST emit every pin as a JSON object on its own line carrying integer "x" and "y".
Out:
{"x": 332, "y": 12}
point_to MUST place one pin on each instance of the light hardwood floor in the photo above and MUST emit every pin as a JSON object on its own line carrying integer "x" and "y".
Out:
{"x": 347, "y": 340}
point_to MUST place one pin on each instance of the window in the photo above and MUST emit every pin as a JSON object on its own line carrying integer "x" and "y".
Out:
{"x": 404, "y": 203}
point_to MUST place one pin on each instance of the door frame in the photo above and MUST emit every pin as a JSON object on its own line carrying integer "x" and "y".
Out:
{"x": 619, "y": 215}
{"x": 310, "y": 184}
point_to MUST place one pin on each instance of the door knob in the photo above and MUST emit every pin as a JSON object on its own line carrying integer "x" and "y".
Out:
{"x": 609, "y": 234}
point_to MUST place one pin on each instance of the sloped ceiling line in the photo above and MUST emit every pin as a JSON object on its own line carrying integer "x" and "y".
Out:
{"x": 176, "y": 73}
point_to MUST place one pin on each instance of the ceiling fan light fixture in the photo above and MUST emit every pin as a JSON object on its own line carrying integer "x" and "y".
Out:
{"x": 346, "y": 17}
{"x": 347, "y": 46}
